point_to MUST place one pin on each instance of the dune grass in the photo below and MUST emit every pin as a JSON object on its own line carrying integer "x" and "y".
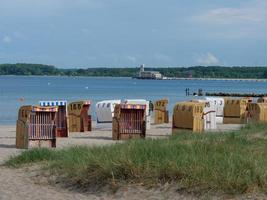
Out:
{"x": 233, "y": 162}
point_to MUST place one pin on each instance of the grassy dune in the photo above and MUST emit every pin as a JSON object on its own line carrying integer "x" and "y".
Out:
{"x": 233, "y": 162}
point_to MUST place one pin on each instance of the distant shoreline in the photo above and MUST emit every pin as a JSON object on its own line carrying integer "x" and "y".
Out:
{"x": 183, "y": 73}
{"x": 126, "y": 77}
{"x": 64, "y": 76}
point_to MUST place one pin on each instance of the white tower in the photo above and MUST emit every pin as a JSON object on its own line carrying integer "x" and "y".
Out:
{"x": 142, "y": 69}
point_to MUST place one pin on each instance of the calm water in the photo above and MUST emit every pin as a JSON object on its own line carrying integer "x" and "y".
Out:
{"x": 33, "y": 89}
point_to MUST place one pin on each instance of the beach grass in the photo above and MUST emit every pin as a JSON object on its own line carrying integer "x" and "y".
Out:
{"x": 233, "y": 162}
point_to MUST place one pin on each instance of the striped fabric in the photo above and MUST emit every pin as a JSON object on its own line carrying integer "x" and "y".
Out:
{"x": 133, "y": 106}
{"x": 44, "y": 109}
{"x": 52, "y": 103}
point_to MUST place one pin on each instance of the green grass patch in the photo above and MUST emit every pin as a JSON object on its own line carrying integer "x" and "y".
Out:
{"x": 32, "y": 156}
{"x": 233, "y": 162}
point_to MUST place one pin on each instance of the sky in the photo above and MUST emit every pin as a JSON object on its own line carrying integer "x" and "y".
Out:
{"x": 127, "y": 33}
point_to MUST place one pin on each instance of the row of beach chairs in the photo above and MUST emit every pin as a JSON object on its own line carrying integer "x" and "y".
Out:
{"x": 201, "y": 115}
{"x": 39, "y": 126}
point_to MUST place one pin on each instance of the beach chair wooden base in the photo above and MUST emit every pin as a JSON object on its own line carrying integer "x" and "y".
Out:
{"x": 41, "y": 143}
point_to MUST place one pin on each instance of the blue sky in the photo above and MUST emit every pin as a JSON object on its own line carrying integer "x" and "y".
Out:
{"x": 127, "y": 33}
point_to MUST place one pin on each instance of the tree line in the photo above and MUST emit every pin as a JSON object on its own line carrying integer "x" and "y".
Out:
{"x": 182, "y": 72}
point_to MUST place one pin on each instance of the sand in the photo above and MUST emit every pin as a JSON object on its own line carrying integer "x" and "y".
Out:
{"x": 25, "y": 184}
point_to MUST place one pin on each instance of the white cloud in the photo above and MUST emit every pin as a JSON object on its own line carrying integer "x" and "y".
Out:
{"x": 207, "y": 59}
{"x": 246, "y": 21}
{"x": 7, "y": 39}
{"x": 234, "y": 15}
{"x": 256, "y": 12}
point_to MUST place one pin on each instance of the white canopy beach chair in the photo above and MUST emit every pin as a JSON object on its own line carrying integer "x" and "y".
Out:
{"x": 105, "y": 110}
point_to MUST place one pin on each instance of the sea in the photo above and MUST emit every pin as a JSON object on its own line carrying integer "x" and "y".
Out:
{"x": 16, "y": 91}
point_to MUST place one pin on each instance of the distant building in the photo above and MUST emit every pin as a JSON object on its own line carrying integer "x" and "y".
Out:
{"x": 148, "y": 74}
{"x": 142, "y": 68}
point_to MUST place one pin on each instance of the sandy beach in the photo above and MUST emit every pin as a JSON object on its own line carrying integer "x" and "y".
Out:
{"x": 23, "y": 184}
